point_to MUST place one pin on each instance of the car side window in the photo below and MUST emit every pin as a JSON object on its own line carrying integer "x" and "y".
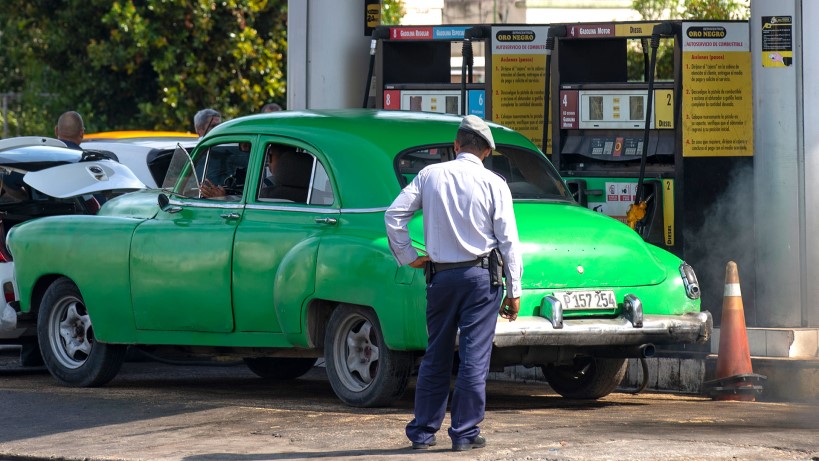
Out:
{"x": 221, "y": 170}
{"x": 290, "y": 174}
{"x": 321, "y": 193}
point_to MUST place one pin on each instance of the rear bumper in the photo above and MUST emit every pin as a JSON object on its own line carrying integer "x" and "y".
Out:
{"x": 8, "y": 316}
{"x": 688, "y": 328}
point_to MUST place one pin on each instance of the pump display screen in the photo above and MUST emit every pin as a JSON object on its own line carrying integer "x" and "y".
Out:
{"x": 636, "y": 108}
{"x": 595, "y": 108}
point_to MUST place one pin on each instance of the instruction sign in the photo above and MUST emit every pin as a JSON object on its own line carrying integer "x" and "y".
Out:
{"x": 777, "y": 41}
{"x": 519, "y": 79}
{"x": 717, "y": 106}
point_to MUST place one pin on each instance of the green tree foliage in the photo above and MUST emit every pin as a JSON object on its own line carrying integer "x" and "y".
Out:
{"x": 392, "y": 11}
{"x": 651, "y": 10}
{"x": 716, "y": 9}
{"x": 692, "y": 9}
{"x": 141, "y": 64}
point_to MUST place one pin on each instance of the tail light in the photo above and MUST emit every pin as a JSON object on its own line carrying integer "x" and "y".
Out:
{"x": 91, "y": 204}
{"x": 8, "y": 292}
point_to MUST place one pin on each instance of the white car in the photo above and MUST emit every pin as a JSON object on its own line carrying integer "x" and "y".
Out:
{"x": 146, "y": 153}
{"x": 39, "y": 177}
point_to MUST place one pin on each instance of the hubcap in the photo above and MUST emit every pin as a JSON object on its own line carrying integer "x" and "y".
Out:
{"x": 70, "y": 333}
{"x": 358, "y": 353}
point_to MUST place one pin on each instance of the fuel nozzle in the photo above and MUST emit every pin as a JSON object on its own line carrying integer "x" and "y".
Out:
{"x": 379, "y": 33}
{"x": 554, "y": 31}
{"x": 637, "y": 210}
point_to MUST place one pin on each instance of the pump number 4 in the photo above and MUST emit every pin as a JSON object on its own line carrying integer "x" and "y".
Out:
{"x": 587, "y": 299}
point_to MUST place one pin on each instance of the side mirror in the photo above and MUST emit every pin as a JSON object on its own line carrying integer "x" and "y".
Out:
{"x": 165, "y": 204}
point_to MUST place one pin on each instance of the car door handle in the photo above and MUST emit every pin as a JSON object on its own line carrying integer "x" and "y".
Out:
{"x": 326, "y": 221}
{"x": 230, "y": 216}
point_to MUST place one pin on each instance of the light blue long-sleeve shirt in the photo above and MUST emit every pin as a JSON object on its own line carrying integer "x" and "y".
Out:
{"x": 467, "y": 212}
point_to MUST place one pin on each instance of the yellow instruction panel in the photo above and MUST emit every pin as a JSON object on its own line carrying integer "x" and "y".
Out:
{"x": 717, "y": 106}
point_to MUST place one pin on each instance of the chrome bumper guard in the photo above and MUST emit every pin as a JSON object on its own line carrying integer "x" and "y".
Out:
{"x": 694, "y": 327}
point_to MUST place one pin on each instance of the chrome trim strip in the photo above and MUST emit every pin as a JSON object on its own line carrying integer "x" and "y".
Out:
{"x": 364, "y": 210}
{"x": 693, "y": 327}
{"x": 297, "y": 208}
{"x": 221, "y": 205}
{"x": 258, "y": 206}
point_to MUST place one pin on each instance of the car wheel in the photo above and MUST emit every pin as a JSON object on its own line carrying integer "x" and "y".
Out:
{"x": 70, "y": 350}
{"x": 279, "y": 368}
{"x": 362, "y": 370}
{"x": 586, "y": 378}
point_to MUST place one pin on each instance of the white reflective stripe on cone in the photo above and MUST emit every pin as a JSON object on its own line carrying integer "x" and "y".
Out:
{"x": 732, "y": 289}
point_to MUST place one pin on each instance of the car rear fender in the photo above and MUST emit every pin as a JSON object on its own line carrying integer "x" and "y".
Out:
{"x": 79, "y": 247}
{"x": 360, "y": 269}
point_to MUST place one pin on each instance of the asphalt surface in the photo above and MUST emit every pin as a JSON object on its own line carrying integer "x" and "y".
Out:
{"x": 154, "y": 411}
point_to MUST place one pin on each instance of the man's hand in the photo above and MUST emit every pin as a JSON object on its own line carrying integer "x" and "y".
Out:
{"x": 419, "y": 262}
{"x": 209, "y": 190}
{"x": 510, "y": 308}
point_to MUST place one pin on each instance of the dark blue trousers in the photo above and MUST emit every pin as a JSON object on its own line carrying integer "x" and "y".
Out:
{"x": 456, "y": 298}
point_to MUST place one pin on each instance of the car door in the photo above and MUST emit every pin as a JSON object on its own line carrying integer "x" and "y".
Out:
{"x": 277, "y": 241}
{"x": 181, "y": 261}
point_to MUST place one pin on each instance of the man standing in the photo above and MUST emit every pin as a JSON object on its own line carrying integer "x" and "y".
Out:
{"x": 467, "y": 213}
{"x": 70, "y": 129}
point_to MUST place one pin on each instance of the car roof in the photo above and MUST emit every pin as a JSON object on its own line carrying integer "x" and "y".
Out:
{"x": 139, "y": 145}
{"x": 405, "y": 128}
{"x": 33, "y": 158}
{"x": 360, "y": 145}
{"x": 138, "y": 135}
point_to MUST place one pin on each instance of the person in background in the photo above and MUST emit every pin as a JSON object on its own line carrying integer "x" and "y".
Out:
{"x": 205, "y": 120}
{"x": 272, "y": 107}
{"x": 70, "y": 129}
{"x": 468, "y": 218}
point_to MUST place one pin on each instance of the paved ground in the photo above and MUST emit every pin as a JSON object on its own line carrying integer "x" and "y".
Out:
{"x": 153, "y": 411}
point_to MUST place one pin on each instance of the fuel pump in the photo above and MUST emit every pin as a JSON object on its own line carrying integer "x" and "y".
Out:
{"x": 414, "y": 69}
{"x": 653, "y": 148}
{"x": 502, "y": 76}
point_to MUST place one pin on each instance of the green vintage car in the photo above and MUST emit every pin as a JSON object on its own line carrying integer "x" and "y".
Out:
{"x": 290, "y": 263}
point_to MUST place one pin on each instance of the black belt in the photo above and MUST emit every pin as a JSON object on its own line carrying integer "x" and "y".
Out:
{"x": 483, "y": 261}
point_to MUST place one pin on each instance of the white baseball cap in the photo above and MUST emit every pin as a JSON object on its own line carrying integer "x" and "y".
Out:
{"x": 476, "y": 125}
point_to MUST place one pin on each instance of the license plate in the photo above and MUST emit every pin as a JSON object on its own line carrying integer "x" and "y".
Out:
{"x": 587, "y": 299}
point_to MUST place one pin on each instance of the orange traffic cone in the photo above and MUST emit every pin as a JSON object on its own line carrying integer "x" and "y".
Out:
{"x": 734, "y": 375}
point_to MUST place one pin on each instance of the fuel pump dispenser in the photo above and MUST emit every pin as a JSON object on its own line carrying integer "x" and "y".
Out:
{"x": 664, "y": 147}
{"x": 502, "y": 76}
{"x": 414, "y": 70}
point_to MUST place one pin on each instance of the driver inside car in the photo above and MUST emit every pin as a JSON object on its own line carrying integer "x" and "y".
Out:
{"x": 233, "y": 184}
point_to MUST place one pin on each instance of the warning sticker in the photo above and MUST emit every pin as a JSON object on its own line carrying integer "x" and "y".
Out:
{"x": 777, "y": 41}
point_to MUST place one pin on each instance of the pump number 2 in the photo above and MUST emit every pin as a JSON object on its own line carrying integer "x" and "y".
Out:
{"x": 587, "y": 299}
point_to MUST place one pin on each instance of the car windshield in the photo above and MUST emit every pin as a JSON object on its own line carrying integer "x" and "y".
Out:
{"x": 529, "y": 175}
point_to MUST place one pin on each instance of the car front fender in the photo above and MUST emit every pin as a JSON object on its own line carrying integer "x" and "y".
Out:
{"x": 81, "y": 248}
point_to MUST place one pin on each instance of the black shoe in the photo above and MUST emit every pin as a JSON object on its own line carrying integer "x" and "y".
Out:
{"x": 477, "y": 442}
{"x": 424, "y": 445}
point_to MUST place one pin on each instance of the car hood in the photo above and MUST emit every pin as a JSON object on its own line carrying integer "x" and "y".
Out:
{"x": 566, "y": 246}
{"x": 83, "y": 178}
